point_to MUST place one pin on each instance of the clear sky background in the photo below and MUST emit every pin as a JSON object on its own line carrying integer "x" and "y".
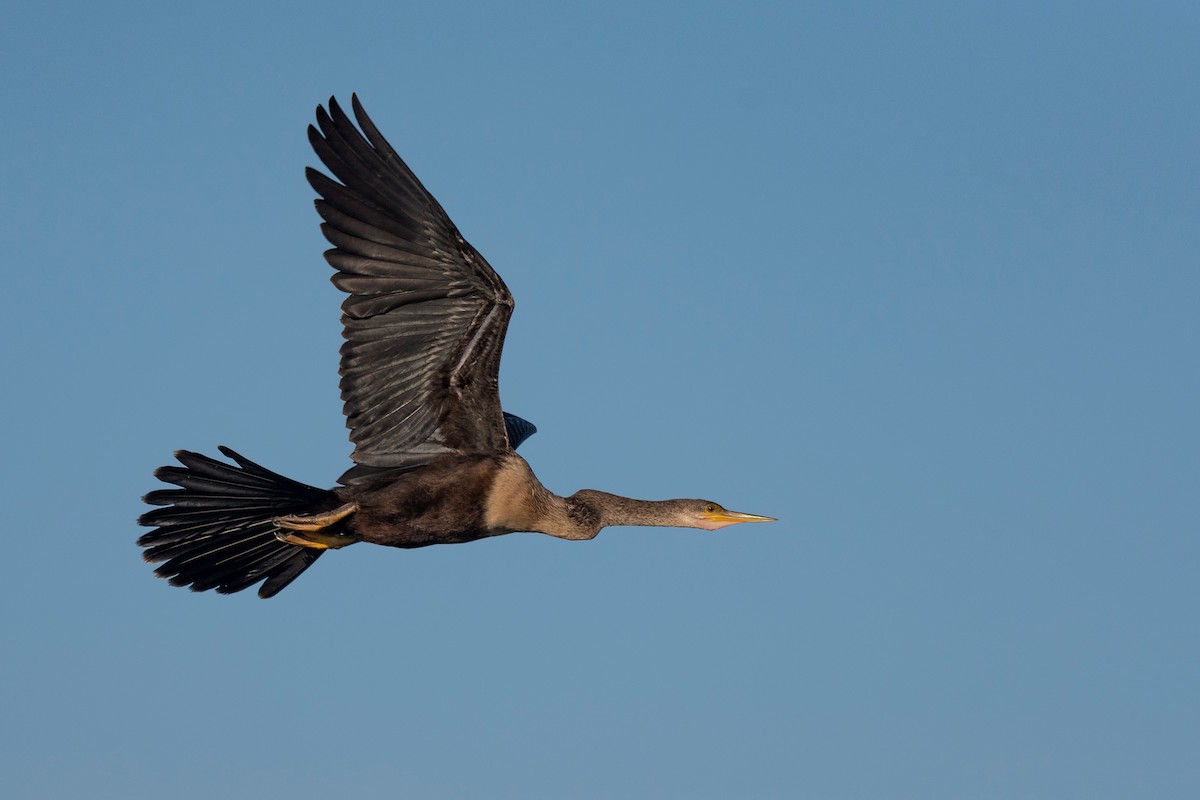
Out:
{"x": 921, "y": 280}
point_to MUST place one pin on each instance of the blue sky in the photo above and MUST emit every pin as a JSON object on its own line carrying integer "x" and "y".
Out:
{"x": 920, "y": 281}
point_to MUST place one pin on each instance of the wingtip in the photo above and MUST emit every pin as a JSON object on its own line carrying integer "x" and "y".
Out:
{"x": 335, "y": 108}
{"x": 313, "y": 176}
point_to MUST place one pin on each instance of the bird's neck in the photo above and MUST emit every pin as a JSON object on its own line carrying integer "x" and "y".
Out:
{"x": 517, "y": 501}
{"x": 583, "y": 514}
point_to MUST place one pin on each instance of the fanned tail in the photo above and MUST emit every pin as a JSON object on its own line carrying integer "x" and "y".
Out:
{"x": 217, "y": 530}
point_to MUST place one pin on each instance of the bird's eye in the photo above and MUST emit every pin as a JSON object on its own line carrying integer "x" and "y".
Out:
{"x": 710, "y": 508}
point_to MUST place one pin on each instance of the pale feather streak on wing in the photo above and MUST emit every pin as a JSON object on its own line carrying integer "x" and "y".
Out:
{"x": 426, "y": 315}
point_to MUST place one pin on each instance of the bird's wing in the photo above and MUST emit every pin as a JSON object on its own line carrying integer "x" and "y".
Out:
{"x": 518, "y": 429}
{"x": 426, "y": 316}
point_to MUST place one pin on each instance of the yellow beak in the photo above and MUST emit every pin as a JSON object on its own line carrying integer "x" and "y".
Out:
{"x": 724, "y": 517}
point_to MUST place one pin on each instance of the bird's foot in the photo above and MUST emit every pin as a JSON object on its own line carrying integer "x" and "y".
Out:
{"x": 312, "y": 523}
{"x": 315, "y": 541}
{"x": 312, "y": 530}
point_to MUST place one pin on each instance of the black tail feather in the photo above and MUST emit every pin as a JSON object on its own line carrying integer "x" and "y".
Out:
{"x": 217, "y": 530}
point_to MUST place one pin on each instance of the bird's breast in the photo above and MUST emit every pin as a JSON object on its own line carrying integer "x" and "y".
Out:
{"x": 516, "y": 499}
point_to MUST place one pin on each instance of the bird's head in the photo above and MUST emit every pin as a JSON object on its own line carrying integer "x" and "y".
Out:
{"x": 601, "y": 509}
{"x": 710, "y": 516}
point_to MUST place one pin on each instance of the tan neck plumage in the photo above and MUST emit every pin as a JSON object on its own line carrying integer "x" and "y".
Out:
{"x": 518, "y": 502}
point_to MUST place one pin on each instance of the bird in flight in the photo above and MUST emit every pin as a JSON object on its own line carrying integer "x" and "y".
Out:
{"x": 434, "y": 454}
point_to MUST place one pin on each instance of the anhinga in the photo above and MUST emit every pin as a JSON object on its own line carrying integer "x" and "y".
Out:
{"x": 434, "y": 454}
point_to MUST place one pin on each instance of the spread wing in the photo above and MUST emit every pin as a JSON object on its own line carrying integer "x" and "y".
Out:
{"x": 425, "y": 320}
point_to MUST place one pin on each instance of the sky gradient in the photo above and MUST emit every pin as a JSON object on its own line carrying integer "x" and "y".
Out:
{"x": 921, "y": 282}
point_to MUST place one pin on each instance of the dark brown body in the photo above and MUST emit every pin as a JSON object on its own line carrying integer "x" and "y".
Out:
{"x": 443, "y": 502}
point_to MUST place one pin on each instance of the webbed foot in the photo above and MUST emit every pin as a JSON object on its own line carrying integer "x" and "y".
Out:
{"x": 316, "y": 541}
{"x": 311, "y": 530}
